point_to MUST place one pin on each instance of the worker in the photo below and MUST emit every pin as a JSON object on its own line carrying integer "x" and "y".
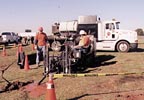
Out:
{"x": 83, "y": 46}
{"x": 40, "y": 45}
{"x": 84, "y": 42}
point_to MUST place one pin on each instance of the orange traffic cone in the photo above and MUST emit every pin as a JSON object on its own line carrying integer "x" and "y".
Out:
{"x": 26, "y": 65}
{"x": 4, "y": 51}
{"x": 50, "y": 95}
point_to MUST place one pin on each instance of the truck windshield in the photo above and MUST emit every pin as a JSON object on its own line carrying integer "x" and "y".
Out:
{"x": 117, "y": 25}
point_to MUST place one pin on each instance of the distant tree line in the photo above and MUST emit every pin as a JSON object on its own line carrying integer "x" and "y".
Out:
{"x": 139, "y": 31}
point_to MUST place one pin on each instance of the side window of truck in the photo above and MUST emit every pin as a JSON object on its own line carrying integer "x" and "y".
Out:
{"x": 107, "y": 26}
{"x": 110, "y": 26}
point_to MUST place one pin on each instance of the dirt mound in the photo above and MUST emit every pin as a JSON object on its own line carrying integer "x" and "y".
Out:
{"x": 14, "y": 86}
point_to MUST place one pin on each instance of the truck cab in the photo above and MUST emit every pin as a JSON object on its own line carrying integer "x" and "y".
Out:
{"x": 111, "y": 37}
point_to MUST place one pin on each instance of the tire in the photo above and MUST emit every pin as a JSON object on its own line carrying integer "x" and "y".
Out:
{"x": 123, "y": 46}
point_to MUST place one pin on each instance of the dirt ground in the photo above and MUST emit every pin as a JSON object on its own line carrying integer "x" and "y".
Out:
{"x": 116, "y": 87}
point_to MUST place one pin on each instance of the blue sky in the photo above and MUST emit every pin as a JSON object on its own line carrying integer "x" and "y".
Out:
{"x": 18, "y": 15}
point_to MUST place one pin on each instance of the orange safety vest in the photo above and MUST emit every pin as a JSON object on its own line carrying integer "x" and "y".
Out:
{"x": 84, "y": 41}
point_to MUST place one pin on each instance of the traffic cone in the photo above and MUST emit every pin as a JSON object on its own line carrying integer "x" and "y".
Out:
{"x": 50, "y": 93}
{"x": 4, "y": 51}
{"x": 26, "y": 65}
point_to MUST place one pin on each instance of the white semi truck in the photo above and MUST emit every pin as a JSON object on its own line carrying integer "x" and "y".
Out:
{"x": 108, "y": 34}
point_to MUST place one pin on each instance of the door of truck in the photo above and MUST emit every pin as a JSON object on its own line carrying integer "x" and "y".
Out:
{"x": 110, "y": 31}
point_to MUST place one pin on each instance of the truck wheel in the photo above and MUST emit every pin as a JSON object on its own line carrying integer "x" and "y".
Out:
{"x": 123, "y": 46}
{"x": 7, "y": 43}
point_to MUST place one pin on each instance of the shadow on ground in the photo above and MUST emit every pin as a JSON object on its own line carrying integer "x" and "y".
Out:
{"x": 139, "y": 50}
{"x": 101, "y": 60}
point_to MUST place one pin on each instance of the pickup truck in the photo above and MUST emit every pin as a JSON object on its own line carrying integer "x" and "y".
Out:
{"x": 1, "y": 40}
{"x": 9, "y": 37}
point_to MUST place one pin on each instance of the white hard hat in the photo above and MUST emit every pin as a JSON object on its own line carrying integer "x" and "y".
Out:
{"x": 82, "y": 32}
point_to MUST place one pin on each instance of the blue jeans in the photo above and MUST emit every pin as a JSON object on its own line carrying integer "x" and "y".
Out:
{"x": 41, "y": 50}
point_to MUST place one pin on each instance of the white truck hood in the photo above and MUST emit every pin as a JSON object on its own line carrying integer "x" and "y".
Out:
{"x": 126, "y": 32}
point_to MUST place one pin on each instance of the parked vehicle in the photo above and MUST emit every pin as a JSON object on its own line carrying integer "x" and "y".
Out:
{"x": 1, "y": 40}
{"x": 27, "y": 37}
{"x": 27, "y": 34}
{"x": 9, "y": 37}
{"x": 108, "y": 34}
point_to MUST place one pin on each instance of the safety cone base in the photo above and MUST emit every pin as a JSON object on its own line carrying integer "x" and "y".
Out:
{"x": 50, "y": 93}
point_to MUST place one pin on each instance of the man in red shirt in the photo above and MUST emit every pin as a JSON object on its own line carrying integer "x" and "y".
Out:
{"x": 40, "y": 44}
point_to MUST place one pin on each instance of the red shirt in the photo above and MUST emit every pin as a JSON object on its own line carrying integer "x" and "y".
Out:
{"x": 41, "y": 38}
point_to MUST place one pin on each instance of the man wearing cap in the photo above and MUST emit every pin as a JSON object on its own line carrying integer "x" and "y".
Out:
{"x": 40, "y": 44}
{"x": 84, "y": 40}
